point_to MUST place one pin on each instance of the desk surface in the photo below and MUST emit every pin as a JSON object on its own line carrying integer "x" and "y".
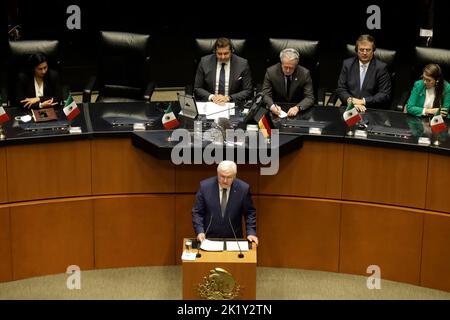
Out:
{"x": 384, "y": 128}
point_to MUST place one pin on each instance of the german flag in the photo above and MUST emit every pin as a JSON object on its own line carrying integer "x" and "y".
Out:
{"x": 264, "y": 127}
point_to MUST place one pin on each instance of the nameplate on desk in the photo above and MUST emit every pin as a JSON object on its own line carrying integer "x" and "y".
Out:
{"x": 424, "y": 141}
{"x": 75, "y": 130}
{"x": 361, "y": 134}
{"x": 316, "y": 131}
{"x": 139, "y": 126}
{"x": 188, "y": 256}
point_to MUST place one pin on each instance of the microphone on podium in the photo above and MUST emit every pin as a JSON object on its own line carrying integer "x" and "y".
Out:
{"x": 198, "y": 255}
{"x": 240, "y": 255}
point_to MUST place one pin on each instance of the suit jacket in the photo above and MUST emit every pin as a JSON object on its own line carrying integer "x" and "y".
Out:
{"x": 52, "y": 88}
{"x": 207, "y": 210}
{"x": 376, "y": 88}
{"x": 417, "y": 98}
{"x": 240, "y": 87}
{"x": 300, "y": 91}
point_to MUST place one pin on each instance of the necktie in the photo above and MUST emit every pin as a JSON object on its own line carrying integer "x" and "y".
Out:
{"x": 288, "y": 85}
{"x": 223, "y": 203}
{"x": 222, "y": 80}
{"x": 362, "y": 76}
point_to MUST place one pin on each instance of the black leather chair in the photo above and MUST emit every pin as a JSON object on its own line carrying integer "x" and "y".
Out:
{"x": 387, "y": 56}
{"x": 422, "y": 57}
{"x": 19, "y": 52}
{"x": 123, "y": 73}
{"x": 309, "y": 58}
{"x": 205, "y": 46}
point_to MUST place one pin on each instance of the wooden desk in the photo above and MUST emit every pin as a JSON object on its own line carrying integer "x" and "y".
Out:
{"x": 243, "y": 271}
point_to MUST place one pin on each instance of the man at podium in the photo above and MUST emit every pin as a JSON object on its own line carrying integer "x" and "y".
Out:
{"x": 220, "y": 203}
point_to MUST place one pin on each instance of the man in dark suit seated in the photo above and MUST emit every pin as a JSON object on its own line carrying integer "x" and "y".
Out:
{"x": 40, "y": 87}
{"x": 220, "y": 202}
{"x": 364, "y": 79}
{"x": 223, "y": 76}
{"x": 288, "y": 82}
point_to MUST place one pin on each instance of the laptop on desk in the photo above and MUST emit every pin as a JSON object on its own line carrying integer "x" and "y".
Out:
{"x": 188, "y": 106}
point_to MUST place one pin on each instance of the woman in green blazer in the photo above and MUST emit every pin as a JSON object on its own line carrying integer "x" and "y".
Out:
{"x": 430, "y": 94}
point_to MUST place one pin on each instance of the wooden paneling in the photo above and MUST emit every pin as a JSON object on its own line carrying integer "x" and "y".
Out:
{"x": 3, "y": 180}
{"x": 49, "y": 237}
{"x": 388, "y": 237}
{"x": 5, "y": 246}
{"x": 119, "y": 167}
{"x": 388, "y": 176}
{"x": 183, "y": 222}
{"x": 298, "y": 233}
{"x": 435, "y": 272}
{"x": 134, "y": 231}
{"x": 188, "y": 177}
{"x": 49, "y": 170}
{"x": 313, "y": 171}
{"x": 438, "y": 184}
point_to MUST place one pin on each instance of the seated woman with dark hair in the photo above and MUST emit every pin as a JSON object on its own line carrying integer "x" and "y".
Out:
{"x": 40, "y": 87}
{"x": 431, "y": 94}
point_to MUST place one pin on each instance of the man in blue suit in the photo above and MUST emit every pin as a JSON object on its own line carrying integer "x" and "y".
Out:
{"x": 364, "y": 79}
{"x": 221, "y": 202}
{"x": 223, "y": 76}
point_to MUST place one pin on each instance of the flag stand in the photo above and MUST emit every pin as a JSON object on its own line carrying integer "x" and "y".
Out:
{"x": 436, "y": 142}
{"x": 2, "y": 133}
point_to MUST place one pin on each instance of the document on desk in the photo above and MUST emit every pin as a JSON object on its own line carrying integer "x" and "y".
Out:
{"x": 215, "y": 111}
{"x": 233, "y": 246}
{"x": 282, "y": 114}
{"x": 209, "y": 245}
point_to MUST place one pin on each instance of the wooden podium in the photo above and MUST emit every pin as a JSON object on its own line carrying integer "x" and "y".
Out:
{"x": 220, "y": 275}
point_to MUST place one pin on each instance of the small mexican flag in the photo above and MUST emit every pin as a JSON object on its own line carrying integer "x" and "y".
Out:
{"x": 3, "y": 115}
{"x": 264, "y": 127}
{"x": 71, "y": 109}
{"x": 169, "y": 120}
{"x": 437, "y": 123}
{"x": 351, "y": 115}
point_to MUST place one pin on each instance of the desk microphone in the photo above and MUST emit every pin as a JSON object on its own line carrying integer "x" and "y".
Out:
{"x": 240, "y": 255}
{"x": 198, "y": 255}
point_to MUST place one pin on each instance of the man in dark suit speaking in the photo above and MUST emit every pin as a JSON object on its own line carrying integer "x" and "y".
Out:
{"x": 223, "y": 76}
{"x": 288, "y": 82}
{"x": 364, "y": 79}
{"x": 220, "y": 204}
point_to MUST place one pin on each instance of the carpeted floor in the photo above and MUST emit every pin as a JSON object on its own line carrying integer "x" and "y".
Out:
{"x": 165, "y": 283}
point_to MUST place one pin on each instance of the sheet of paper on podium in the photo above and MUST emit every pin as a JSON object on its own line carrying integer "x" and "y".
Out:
{"x": 215, "y": 111}
{"x": 209, "y": 245}
{"x": 233, "y": 246}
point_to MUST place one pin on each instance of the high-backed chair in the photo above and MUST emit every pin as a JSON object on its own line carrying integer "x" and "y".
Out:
{"x": 422, "y": 57}
{"x": 309, "y": 58}
{"x": 123, "y": 73}
{"x": 20, "y": 51}
{"x": 387, "y": 56}
{"x": 205, "y": 46}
